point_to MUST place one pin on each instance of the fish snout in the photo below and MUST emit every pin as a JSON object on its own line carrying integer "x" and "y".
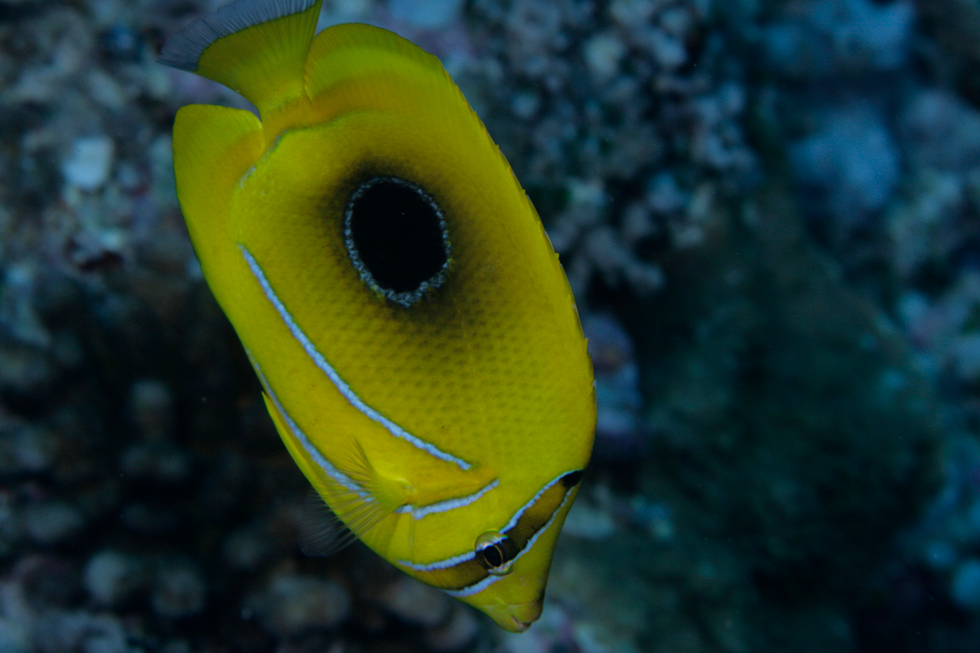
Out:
{"x": 518, "y": 617}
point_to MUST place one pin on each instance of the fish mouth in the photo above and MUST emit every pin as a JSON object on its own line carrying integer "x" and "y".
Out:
{"x": 520, "y": 626}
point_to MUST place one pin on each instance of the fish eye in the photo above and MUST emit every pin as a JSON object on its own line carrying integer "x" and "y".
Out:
{"x": 496, "y": 552}
{"x": 397, "y": 239}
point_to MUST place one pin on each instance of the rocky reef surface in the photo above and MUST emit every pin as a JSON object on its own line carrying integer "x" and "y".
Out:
{"x": 769, "y": 211}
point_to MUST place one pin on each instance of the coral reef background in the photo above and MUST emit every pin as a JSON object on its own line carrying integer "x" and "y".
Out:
{"x": 769, "y": 211}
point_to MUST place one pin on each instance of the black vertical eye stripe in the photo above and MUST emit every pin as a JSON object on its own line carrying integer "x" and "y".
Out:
{"x": 533, "y": 519}
{"x": 540, "y": 512}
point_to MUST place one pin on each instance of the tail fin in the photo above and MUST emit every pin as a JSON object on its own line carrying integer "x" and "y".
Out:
{"x": 255, "y": 47}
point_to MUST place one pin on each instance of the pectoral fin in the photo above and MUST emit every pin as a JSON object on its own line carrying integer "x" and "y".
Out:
{"x": 351, "y": 488}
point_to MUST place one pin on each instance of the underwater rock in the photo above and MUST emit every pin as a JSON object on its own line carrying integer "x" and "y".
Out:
{"x": 944, "y": 327}
{"x": 59, "y": 632}
{"x": 12, "y": 639}
{"x": 415, "y": 603}
{"x": 54, "y": 48}
{"x": 654, "y": 517}
{"x": 955, "y": 24}
{"x": 939, "y": 555}
{"x": 22, "y": 283}
{"x": 851, "y": 163}
{"x": 800, "y": 367}
{"x": 50, "y": 522}
{"x": 619, "y": 432}
{"x": 108, "y": 92}
{"x": 25, "y": 448}
{"x": 155, "y": 460}
{"x": 11, "y": 526}
{"x": 946, "y": 537}
{"x": 965, "y": 355}
{"x": 550, "y": 633}
{"x": 121, "y": 42}
{"x": 293, "y": 604}
{"x": 922, "y": 223}
{"x": 456, "y": 634}
{"x": 25, "y": 371}
{"x": 603, "y": 54}
{"x": 426, "y": 14}
{"x": 247, "y": 548}
{"x": 90, "y": 162}
{"x": 588, "y": 521}
{"x": 791, "y": 425}
{"x": 148, "y": 519}
{"x": 226, "y": 479}
{"x": 151, "y": 405}
{"x": 111, "y": 578}
{"x": 939, "y": 131}
{"x": 48, "y": 580}
{"x": 965, "y": 585}
{"x": 601, "y": 597}
{"x": 833, "y": 37}
{"x": 179, "y": 590}
{"x": 587, "y": 100}
{"x": 16, "y": 618}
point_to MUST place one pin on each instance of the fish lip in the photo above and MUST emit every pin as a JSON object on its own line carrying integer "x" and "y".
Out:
{"x": 520, "y": 626}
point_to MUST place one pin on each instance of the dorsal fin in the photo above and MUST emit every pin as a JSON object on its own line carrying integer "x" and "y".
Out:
{"x": 354, "y": 51}
{"x": 255, "y": 47}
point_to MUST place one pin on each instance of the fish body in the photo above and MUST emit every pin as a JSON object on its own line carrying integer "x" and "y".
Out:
{"x": 415, "y": 336}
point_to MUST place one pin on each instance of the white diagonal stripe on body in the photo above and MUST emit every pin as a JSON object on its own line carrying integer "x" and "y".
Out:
{"x": 331, "y": 373}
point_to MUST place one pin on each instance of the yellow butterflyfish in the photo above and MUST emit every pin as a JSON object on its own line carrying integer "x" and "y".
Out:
{"x": 415, "y": 336}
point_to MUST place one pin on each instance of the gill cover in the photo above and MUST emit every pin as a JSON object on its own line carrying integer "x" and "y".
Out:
{"x": 415, "y": 336}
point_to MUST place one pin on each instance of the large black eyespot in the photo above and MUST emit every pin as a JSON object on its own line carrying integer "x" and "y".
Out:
{"x": 397, "y": 239}
{"x": 496, "y": 552}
